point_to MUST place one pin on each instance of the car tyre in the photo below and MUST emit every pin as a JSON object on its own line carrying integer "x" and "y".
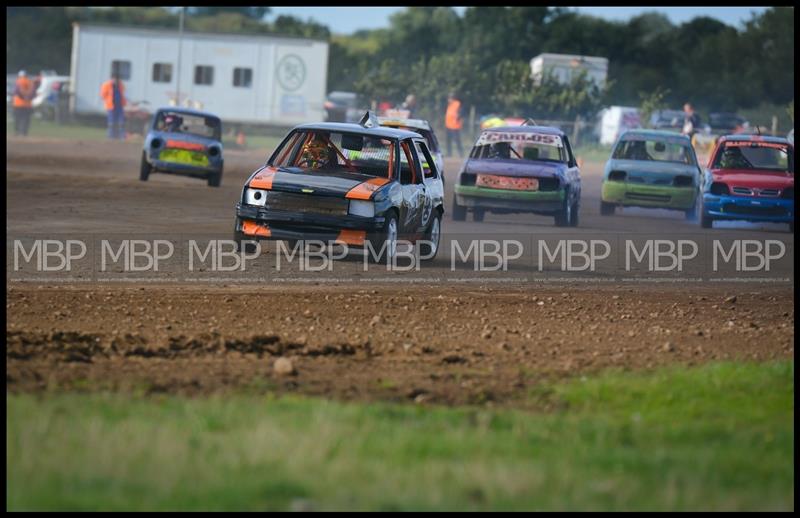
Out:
{"x": 564, "y": 216}
{"x": 144, "y": 168}
{"x": 607, "y": 209}
{"x": 433, "y": 235}
{"x": 575, "y": 209}
{"x": 459, "y": 211}
{"x": 691, "y": 214}
{"x": 215, "y": 179}
{"x": 477, "y": 214}
{"x": 387, "y": 236}
{"x": 706, "y": 221}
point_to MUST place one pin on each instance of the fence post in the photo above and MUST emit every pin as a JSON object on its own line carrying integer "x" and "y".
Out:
{"x": 472, "y": 122}
{"x": 575, "y": 131}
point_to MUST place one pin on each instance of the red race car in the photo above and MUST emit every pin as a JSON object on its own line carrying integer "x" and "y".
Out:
{"x": 751, "y": 178}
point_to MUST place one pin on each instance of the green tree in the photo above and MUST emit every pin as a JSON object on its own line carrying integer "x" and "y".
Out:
{"x": 651, "y": 102}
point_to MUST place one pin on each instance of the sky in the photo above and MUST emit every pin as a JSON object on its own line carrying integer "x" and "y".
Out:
{"x": 346, "y": 20}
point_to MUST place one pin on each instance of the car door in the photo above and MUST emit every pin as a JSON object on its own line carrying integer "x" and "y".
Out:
{"x": 413, "y": 188}
{"x": 432, "y": 181}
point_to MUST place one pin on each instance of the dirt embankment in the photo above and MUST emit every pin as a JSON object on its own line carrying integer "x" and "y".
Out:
{"x": 442, "y": 345}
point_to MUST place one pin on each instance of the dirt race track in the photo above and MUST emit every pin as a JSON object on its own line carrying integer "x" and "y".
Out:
{"x": 437, "y": 343}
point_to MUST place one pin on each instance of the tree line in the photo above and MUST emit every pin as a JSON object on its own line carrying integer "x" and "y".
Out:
{"x": 484, "y": 54}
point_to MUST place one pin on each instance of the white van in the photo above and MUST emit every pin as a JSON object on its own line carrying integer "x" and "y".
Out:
{"x": 616, "y": 119}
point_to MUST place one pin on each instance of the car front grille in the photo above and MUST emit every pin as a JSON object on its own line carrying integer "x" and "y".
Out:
{"x": 306, "y": 203}
{"x": 745, "y": 191}
{"x": 648, "y": 197}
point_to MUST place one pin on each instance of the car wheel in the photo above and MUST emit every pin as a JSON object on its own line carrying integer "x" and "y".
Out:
{"x": 691, "y": 214}
{"x": 215, "y": 179}
{"x": 430, "y": 247}
{"x": 607, "y": 209}
{"x": 575, "y": 208}
{"x": 384, "y": 245}
{"x": 564, "y": 215}
{"x": 459, "y": 211}
{"x": 477, "y": 215}
{"x": 144, "y": 169}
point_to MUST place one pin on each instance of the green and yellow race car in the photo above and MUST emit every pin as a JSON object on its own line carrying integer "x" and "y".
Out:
{"x": 184, "y": 142}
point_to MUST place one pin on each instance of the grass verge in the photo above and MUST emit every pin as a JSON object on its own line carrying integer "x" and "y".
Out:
{"x": 716, "y": 437}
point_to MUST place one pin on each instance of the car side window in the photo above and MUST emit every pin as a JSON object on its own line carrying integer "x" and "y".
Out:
{"x": 408, "y": 166}
{"x": 428, "y": 164}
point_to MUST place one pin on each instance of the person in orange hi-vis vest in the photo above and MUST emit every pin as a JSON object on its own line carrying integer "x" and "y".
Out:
{"x": 113, "y": 94}
{"x": 23, "y": 103}
{"x": 453, "y": 123}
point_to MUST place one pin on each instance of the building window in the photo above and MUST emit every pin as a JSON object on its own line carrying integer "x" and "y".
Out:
{"x": 162, "y": 72}
{"x": 203, "y": 75}
{"x": 243, "y": 77}
{"x": 122, "y": 69}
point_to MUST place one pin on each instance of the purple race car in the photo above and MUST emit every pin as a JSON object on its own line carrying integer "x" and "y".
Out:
{"x": 524, "y": 168}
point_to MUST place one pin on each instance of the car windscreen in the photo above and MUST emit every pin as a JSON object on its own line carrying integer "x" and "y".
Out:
{"x": 653, "y": 150}
{"x": 177, "y": 122}
{"x": 769, "y": 156}
{"x": 326, "y": 152}
{"x": 533, "y": 147}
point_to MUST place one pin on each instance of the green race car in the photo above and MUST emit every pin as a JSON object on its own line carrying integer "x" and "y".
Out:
{"x": 653, "y": 169}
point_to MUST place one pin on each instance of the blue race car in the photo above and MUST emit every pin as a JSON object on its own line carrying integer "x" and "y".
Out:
{"x": 184, "y": 142}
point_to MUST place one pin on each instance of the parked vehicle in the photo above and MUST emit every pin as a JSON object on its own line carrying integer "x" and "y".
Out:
{"x": 524, "y": 168}
{"x": 750, "y": 178}
{"x": 651, "y": 168}
{"x": 342, "y": 107}
{"x": 667, "y": 120}
{"x": 614, "y": 121}
{"x": 725, "y": 123}
{"x": 184, "y": 142}
{"x": 138, "y": 117}
{"x": 358, "y": 184}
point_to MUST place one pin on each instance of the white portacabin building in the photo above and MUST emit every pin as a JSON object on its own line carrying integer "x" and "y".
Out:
{"x": 253, "y": 79}
{"x": 567, "y": 66}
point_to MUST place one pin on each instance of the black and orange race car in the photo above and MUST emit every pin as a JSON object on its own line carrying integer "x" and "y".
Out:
{"x": 347, "y": 183}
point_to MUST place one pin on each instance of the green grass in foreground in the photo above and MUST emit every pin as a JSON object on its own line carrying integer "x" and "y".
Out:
{"x": 49, "y": 129}
{"x": 714, "y": 437}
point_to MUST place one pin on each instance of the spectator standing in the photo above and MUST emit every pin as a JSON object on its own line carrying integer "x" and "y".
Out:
{"x": 23, "y": 103}
{"x": 113, "y": 94}
{"x": 410, "y": 105}
{"x": 691, "y": 121}
{"x": 453, "y": 123}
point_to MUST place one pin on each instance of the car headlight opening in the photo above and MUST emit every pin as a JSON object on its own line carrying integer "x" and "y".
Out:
{"x": 362, "y": 208}
{"x": 256, "y": 197}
